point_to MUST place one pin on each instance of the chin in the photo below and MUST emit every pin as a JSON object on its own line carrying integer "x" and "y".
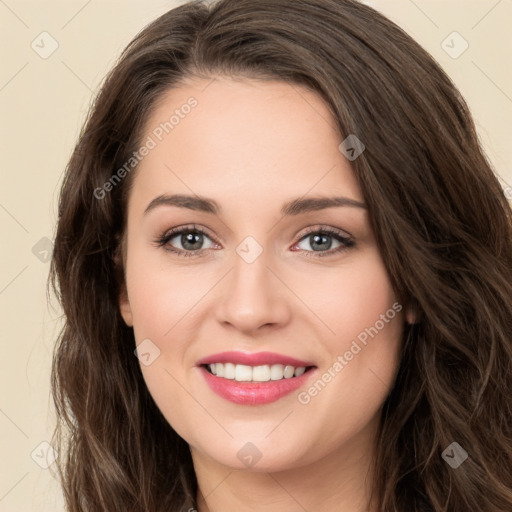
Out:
{"x": 256, "y": 454}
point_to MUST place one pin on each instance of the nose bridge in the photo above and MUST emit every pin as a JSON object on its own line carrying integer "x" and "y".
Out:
{"x": 252, "y": 296}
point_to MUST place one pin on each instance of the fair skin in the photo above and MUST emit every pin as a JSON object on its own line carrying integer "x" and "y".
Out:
{"x": 252, "y": 146}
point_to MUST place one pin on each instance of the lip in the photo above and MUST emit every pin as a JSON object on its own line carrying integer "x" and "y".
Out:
{"x": 254, "y": 393}
{"x": 253, "y": 359}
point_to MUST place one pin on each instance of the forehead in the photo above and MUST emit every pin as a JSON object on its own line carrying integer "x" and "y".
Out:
{"x": 243, "y": 140}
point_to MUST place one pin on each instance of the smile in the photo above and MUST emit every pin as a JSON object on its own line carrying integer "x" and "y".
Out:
{"x": 263, "y": 373}
{"x": 254, "y": 378}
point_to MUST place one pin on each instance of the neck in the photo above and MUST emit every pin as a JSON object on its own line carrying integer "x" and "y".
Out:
{"x": 342, "y": 480}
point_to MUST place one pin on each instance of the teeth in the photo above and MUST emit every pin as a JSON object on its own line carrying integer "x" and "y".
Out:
{"x": 288, "y": 372}
{"x": 229, "y": 370}
{"x": 299, "y": 371}
{"x": 261, "y": 373}
{"x": 264, "y": 373}
{"x": 243, "y": 373}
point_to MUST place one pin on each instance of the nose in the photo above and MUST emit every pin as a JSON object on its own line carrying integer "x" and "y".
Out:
{"x": 253, "y": 298}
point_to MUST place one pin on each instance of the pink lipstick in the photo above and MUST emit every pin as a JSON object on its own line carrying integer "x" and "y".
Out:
{"x": 254, "y": 378}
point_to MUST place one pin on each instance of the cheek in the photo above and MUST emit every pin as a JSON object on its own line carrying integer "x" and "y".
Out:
{"x": 363, "y": 322}
{"x": 161, "y": 299}
{"x": 160, "y": 295}
{"x": 350, "y": 299}
{"x": 362, "y": 352}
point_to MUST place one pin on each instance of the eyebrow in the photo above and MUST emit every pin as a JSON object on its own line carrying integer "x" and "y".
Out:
{"x": 290, "y": 208}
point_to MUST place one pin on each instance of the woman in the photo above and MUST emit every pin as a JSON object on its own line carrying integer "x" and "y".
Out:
{"x": 281, "y": 208}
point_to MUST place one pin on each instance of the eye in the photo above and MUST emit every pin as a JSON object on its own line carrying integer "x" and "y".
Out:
{"x": 185, "y": 241}
{"x": 321, "y": 242}
{"x": 189, "y": 241}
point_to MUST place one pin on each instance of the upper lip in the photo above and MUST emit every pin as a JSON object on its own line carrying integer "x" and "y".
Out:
{"x": 252, "y": 359}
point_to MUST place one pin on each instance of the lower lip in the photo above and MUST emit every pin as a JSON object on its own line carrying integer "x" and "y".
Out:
{"x": 253, "y": 393}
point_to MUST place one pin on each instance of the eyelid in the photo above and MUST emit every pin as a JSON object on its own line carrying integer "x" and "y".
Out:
{"x": 170, "y": 233}
{"x": 326, "y": 229}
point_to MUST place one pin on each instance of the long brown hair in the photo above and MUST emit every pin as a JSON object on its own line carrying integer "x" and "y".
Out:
{"x": 442, "y": 223}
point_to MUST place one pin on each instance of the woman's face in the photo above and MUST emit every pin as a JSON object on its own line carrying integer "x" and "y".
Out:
{"x": 287, "y": 293}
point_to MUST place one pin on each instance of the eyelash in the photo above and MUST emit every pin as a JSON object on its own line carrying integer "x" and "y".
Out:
{"x": 169, "y": 235}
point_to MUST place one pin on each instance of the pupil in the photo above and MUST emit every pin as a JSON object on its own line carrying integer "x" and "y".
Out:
{"x": 190, "y": 240}
{"x": 322, "y": 240}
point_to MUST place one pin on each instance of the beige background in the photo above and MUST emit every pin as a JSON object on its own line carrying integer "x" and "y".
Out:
{"x": 42, "y": 105}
